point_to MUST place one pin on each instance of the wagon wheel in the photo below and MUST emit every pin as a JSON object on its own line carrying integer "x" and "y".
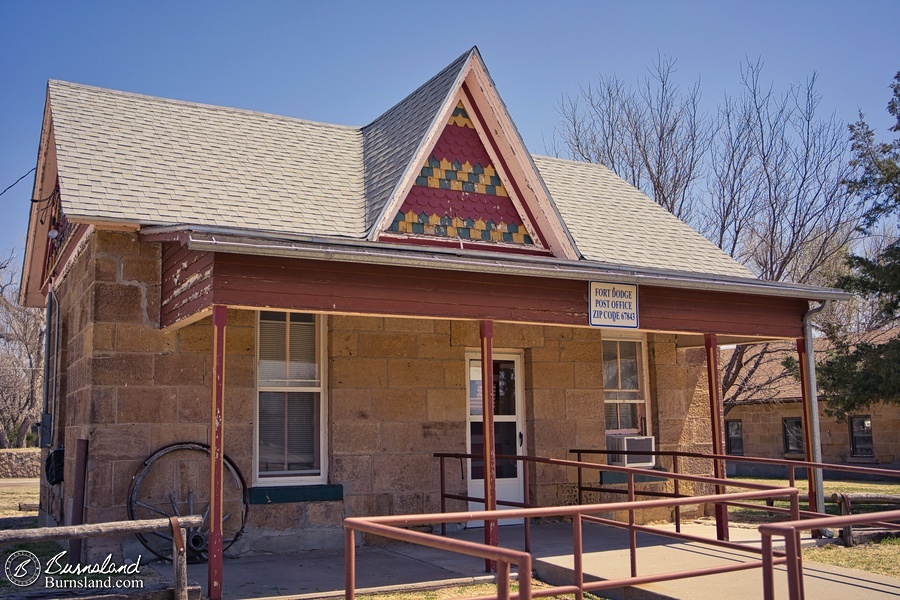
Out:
{"x": 174, "y": 481}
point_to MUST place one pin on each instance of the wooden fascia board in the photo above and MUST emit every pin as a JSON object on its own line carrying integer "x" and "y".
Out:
{"x": 31, "y": 288}
{"x": 500, "y": 125}
{"x": 179, "y": 237}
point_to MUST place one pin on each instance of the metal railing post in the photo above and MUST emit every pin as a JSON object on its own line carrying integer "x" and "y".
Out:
{"x": 578, "y": 557}
{"x": 503, "y": 580}
{"x": 632, "y": 533}
{"x": 349, "y": 564}
{"x": 580, "y": 481}
{"x": 794, "y": 572}
{"x": 527, "y": 484}
{"x": 767, "y": 567}
{"x": 443, "y": 497}
{"x": 677, "y": 494}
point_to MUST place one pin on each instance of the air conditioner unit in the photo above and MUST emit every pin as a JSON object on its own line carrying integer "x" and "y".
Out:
{"x": 631, "y": 444}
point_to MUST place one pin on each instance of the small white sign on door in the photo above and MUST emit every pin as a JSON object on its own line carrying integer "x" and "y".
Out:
{"x": 613, "y": 305}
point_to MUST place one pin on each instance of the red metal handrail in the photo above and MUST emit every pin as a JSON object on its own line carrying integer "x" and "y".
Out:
{"x": 390, "y": 527}
{"x": 791, "y": 465}
{"x": 790, "y": 530}
{"x": 630, "y": 472}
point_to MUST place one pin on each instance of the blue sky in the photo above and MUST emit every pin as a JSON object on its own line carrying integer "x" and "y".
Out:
{"x": 346, "y": 62}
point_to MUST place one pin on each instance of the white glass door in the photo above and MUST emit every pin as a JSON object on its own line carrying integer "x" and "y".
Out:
{"x": 509, "y": 436}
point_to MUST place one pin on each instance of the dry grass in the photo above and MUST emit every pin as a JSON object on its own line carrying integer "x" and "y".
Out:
{"x": 882, "y": 558}
{"x": 10, "y": 497}
{"x": 461, "y": 591}
{"x": 746, "y": 515}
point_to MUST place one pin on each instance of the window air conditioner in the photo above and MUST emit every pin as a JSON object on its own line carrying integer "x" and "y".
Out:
{"x": 630, "y": 444}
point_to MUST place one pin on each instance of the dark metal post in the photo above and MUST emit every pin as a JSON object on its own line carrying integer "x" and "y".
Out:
{"x": 78, "y": 493}
{"x": 715, "y": 417}
{"x": 632, "y": 533}
{"x": 677, "y": 494}
{"x": 443, "y": 497}
{"x": 216, "y": 463}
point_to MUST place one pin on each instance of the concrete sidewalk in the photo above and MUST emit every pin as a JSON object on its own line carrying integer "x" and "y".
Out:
{"x": 321, "y": 574}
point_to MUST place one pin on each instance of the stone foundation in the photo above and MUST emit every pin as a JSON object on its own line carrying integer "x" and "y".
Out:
{"x": 20, "y": 462}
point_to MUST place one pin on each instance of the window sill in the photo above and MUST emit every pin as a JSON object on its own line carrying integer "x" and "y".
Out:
{"x": 862, "y": 460}
{"x": 296, "y": 493}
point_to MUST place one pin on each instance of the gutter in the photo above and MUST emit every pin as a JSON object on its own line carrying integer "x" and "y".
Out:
{"x": 213, "y": 239}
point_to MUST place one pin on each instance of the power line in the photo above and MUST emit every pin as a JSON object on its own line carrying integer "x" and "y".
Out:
{"x": 11, "y": 186}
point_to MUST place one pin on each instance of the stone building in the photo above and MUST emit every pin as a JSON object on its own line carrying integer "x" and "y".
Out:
{"x": 770, "y": 424}
{"x": 319, "y": 300}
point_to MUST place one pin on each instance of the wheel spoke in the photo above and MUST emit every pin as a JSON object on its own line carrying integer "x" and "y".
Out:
{"x": 190, "y": 504}
{"x": 174, "y": 504}
{"x": 153, "y": 508}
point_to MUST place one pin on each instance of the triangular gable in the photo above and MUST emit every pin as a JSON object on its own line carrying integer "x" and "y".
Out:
{"x": 459, "y": 194}
{"x": 472, "y": 184}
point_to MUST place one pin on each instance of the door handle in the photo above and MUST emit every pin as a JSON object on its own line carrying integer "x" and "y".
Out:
{"x": 521, "y": 439}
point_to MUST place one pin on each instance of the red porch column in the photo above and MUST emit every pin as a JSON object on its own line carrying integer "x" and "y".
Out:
{"x": 490, "y": 455}
{"x": 715, "y": 418}
{"x": 215, "y": 454}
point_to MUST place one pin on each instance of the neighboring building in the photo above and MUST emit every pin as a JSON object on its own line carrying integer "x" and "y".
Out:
{"x": 769, "y": 424}
{"x": 323, "y": 296}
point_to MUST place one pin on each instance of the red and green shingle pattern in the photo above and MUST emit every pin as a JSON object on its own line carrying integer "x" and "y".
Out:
{"x": 459, "y": 194}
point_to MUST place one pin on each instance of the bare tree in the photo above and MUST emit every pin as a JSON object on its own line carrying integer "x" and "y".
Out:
{"x": 21, "y": 361}
{"x": 764, "y": 180}
{"x": 655, "y": 138}
{"x": 778, "y": 203}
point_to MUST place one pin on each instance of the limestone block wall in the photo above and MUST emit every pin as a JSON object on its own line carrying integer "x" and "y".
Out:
{"x": 397, "y": 392}
{"x": 129, "y": 388}
{"x": 679, "y": 393}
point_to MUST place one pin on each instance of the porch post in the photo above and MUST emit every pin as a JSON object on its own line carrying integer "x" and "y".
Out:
{"x": 807, "y": 423}
{"x": 715, "y": 417}
{"x": 490, "y": 456}
{"x": 216, "y": 454}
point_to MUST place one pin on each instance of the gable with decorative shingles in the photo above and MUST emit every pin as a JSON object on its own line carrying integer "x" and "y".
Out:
{"x": 459, "y": 194}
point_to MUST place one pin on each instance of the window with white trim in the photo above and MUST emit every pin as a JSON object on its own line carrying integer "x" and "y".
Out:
{"x": 290, "y": 420}
{"x": 624, "y": 386}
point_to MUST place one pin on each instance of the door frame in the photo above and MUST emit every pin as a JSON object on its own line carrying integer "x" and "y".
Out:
{"x": 502, "y": 491}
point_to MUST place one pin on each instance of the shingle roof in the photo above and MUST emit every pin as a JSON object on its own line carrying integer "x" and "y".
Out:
{"x": 133, "y": 158}
{"x": 613, "y": 222}
{"x": 126, "y": 157}
{"x": 392, "y": 139}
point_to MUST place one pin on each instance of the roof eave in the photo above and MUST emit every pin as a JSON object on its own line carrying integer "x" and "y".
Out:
{"x": 363, "y": 251}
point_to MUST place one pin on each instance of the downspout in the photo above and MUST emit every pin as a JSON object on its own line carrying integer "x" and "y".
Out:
{"x": 815, "y": 432}
{"x": 46, "y": 417}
